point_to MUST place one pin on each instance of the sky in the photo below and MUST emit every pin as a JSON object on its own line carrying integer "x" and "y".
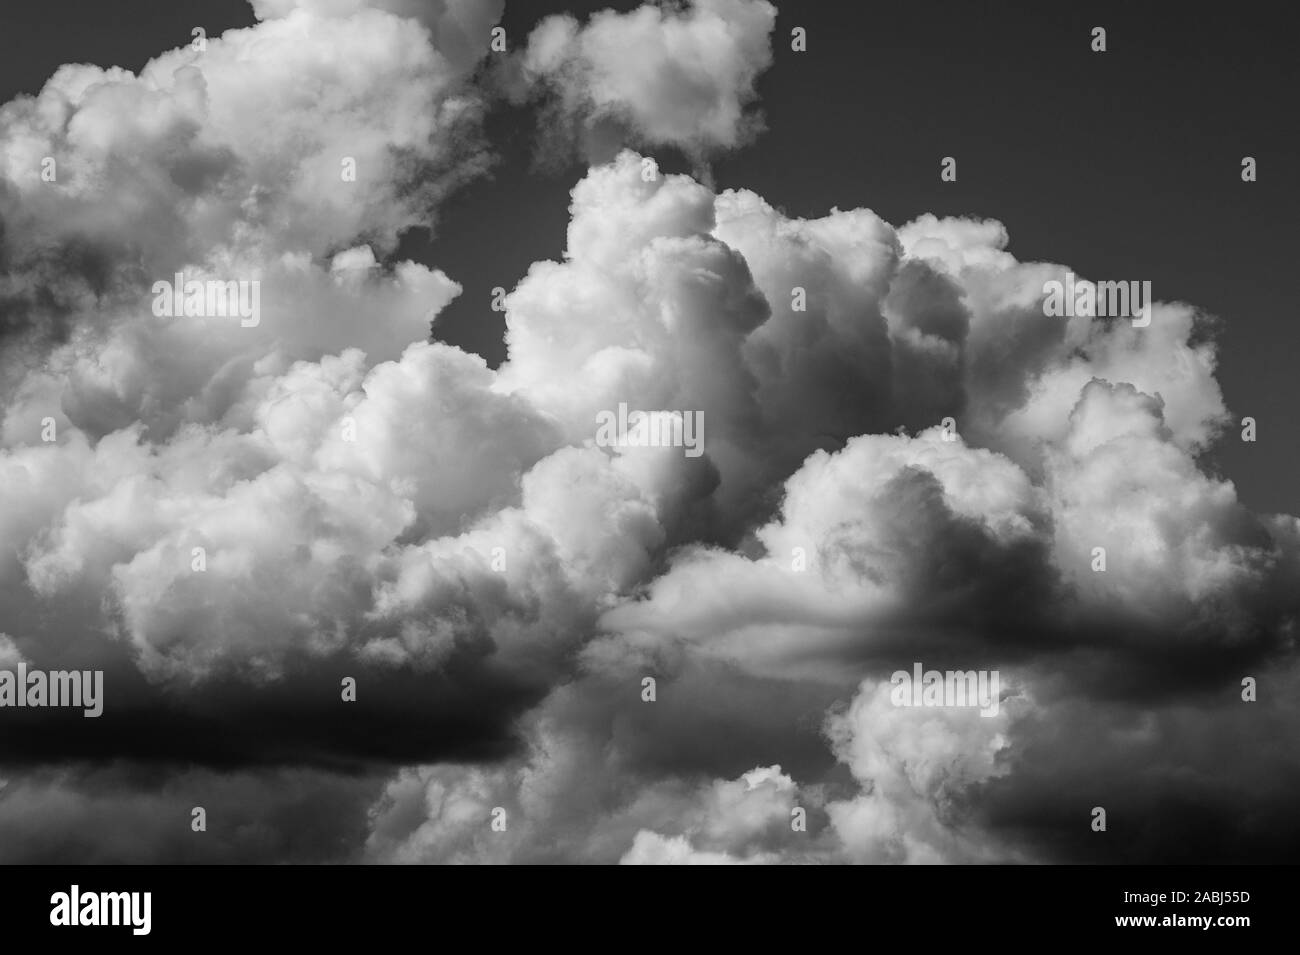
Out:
{"x": 439, "y": 520}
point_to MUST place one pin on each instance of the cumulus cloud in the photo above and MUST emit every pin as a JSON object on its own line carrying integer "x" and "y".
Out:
{"x": 905, "y": 460}
{"x": 227, "y": 158}
{"x": 658, "y": 75}
{"x": 576, "y": 794}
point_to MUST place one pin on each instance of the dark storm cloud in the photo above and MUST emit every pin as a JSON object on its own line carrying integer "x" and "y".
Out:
{"x": 139, "y": 814}
{"x": 462, "y": 712}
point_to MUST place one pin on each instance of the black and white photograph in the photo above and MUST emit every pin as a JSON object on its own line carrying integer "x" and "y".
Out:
{"x": 649, "y": 432}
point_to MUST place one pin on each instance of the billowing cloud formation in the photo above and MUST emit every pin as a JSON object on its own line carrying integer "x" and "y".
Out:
{"x": 966, "y": 546}
{"x": 637, "y": 655}
{"x": 228, "y": 157}
{"x": 659, "y": 75}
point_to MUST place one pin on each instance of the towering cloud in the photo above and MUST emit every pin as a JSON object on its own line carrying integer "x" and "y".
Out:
{"x": 905, "y": 460}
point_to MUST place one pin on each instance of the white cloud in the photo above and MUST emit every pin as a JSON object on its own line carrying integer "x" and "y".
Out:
{"x": 658, "y": 75}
